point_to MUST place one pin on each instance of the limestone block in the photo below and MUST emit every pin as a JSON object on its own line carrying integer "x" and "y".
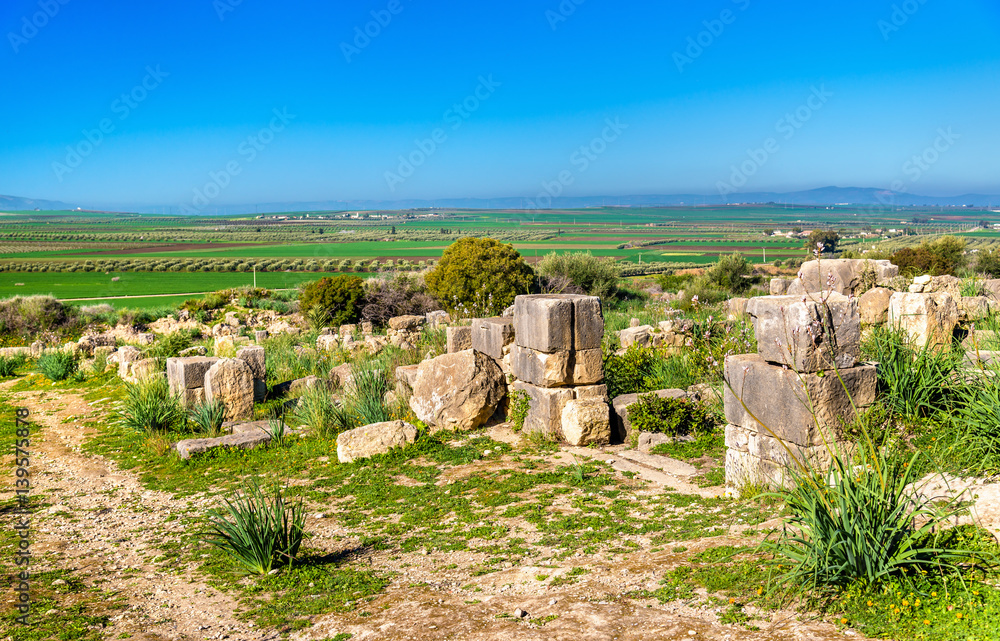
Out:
{"x": 874, "y": 306}
{"x": 491, "y": 335}
{"x": 241, "y": 441}
{"x": 558, "y": 322}
{"x": 840, "y": 275}
{"x": 807, "y": 336}
{"x": 545, "y": 407}
{"x": 459, "y": 339}
{"x": 189, "y": 372}
{"x": 193, "y": 396}
{"x": 327, "y": 342}
{"x": 407, "y": 323}
{"x": 591, "y": 391}
{"x": 230, "y": 380}
{"x": 768, "y": 398}
{"x": 641, "y": 336}
{"x": 927, "y": 319}
{"x": 586, "y": 367}
{"x": 457, "y": 391}
{"x": 586, "y": 422}
{"x": 973, "y": 308}
{"x": 378, "y": 438}
{"x": 779, "y": 286}
{"x": 256, "y": 359}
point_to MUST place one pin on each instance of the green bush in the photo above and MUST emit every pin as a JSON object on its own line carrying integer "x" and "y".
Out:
{"x": 478, "y": 277}
{"x": 58, "y": 365}
{"x": 580, "y": 272}
{"x": 988, "y": 262}
{"x": 671, "y": 416}
{"x": 333, "y": 301}
{"x": 23, "y": 318}
{"x": 258, "y": 531}
{"x": 629, "y": 372}
{"x": 171, "y": 345}
{"x": 732, "y": 274}
{"x": 149, "y": 407}
{"x": 518, "y": 406}
{"x": 946, "y": 255}
{"x": 826, "y": 237}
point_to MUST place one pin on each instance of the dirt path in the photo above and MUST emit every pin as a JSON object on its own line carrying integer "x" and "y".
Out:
{"x": 103, "y": 523}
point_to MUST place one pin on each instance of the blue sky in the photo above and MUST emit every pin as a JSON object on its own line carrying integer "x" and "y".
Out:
{"x": 701, "y": 93}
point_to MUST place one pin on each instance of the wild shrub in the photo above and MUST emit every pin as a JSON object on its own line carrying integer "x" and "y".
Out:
{"x": 733, "y": 274}
{"x": 671, "y": 416}
{"x": 518, "y": 406}
{"x": 397, "y": 294}
{"x": 149, "y": 407}
{"x": 478, "y": 277}
{"x": 988, "y": 262}
{"x": 208, "y": 416}
{"x": 580, "y": 272}
{"x": 629, "y": 372}
{"x": 368, "y": 389}
{"x": 671, "y": 282}
{"x": 317, "y": 409}
{"x": 946, "y": 255}
{"x": 57, "y": 365}
{"x": 257, "y": 530}
{"x": 10, "y": 364}
{"x": 23, "y": 318}
{"x": 332, "y": 301}
{"x": 171, "y": 345}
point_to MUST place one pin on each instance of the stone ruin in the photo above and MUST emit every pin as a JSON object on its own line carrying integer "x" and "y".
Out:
{"x": 786, "y": 404}
{"x": 237, "y": 382}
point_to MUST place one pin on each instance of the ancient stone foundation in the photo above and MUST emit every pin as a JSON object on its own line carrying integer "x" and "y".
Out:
{"x": 785, "y": 405}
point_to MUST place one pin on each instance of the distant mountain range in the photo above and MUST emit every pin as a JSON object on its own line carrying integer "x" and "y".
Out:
{"x": 821, "y": 196}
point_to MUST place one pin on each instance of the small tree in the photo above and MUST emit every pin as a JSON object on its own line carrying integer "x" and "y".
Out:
{"x": 988, "y": 262}
{"x": 332, "y": 301}
{"x": 731, "y": 273}
{"x": 479, "y": 276}
{"x": 826, "y": 237}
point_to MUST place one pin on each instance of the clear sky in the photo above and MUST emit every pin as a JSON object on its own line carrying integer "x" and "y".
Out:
{"x": 292, "y": 101}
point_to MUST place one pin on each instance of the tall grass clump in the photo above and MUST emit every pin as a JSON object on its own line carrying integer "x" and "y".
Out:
{"x": 915, "y": 383}
{"x": 10, "y": 364}
{"x": 318, "y": 409}
{"x": 978, "y": 422}
{"x": 208, "y": 416}
{"x": 259, "y": 531}
{"x": 368, "y": 389}
{"x": 862, "y": 521}
{"x": 58, "y": 365}
{"x": 149, "y": 407}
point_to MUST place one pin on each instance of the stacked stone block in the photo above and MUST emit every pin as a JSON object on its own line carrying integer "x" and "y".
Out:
{"x": 785, "y": 404}
{"x": 557, "y": 361}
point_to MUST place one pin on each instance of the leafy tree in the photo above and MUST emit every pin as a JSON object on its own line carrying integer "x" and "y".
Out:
{"x": 479, "y": 276}
{"x": 731, "y": 273}
{"x": 943, "y": 256}
{"x": 332, "y": 301}
{"x": 580, "y": 271}
{"x": 828, "y": 238}
{"x": 988, "y": 262}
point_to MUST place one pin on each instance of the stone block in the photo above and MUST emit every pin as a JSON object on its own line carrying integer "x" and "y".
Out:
{"x": 256, "y": 359}
{"x": 927, "y": 319}
{"x": 437, "y": 318}
{"x": 558, "y": 322}
{"x": 545, "y": 407}
{"x": 974, "y": 308}
{"x": 591, "y": 391}
{"x": 379, "y": 438}
{"x": 407, "y": 375}
{"x": 779, "y": 286}
{"x": 457, "y": 391}
{"x": 874, "y": 306}
{"x": 736, "y": 308}
{"x": 229, "y": 380}
{"x": 621, "y": 429}
{"x": 540, "y": 368}
{"x": 260, "y": 335}
{"x": 407, "y": 323}
{"x": 193, "y": 396}
{"x": 841, "y": 275}
{"x": 586, "y": 422}
{"x": 347, "y": 330}
{"x": 744, "y": 469}
{"x": 189, "y": 372}
{"x": 241, "y": 441}
{"x": 491, "y": 335}
{"x": 459, "y": 339}
{"x": 586, "y": 367}
{"x": 125, "y": 355}
{"x": 782, "y": 403}
{"x": 327, "y": 342}
{"x": 807, "y": 336}
{"x": 641, "y": 336}
{"x": 768, "y": 448}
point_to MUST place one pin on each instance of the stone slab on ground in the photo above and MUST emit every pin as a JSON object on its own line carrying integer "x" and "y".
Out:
{"x": 241, "y": 441}
{"x": 571, "y": 455}
{"x": 459, "y": 338}
{"x": 664, "y": 463}
{"x": 369, "y": 440}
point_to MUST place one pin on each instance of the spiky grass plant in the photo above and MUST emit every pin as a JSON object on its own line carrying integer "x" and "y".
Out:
{"x": 10, "y": 364}
{"x": 149, "y": 407}
{"x": 277, "y": 430}
{"x": 368, "y": 389}
{"x": 208, "y": 416}
{"x": 318, "y": 409}
{"x": 57, "y": 366}
{"x": 257, "y": 530}
{"x": 978, "y": 421}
